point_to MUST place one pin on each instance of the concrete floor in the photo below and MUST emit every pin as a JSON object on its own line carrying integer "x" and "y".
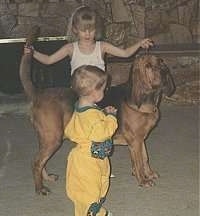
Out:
{"x": 173, "y": 151}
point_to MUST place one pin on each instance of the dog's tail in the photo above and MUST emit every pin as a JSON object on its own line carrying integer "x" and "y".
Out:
{"x": 25, "y": 65}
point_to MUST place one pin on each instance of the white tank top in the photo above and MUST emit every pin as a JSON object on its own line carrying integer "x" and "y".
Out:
{"x": 79, "y": 58}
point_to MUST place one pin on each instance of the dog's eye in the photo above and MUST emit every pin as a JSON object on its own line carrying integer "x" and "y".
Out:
{"x": 148, "y": 65}
{"x": 106, "y": 89}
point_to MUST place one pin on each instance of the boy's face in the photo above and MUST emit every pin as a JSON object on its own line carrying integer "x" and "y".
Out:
{"x": 98, "y": 94}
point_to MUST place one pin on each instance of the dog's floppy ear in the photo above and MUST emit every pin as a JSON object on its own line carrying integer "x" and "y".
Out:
{"x": 138, "y": 80}
{"x": 148, "y": 65}
{"x": 168, "y": 85}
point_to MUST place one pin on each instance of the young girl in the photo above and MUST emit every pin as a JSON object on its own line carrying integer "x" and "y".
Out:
{"x": 86, "y": 50}
{"x": 88, "y": 168}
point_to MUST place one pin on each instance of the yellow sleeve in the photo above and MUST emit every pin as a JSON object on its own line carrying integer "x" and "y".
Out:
{"x": 103, "y": 126}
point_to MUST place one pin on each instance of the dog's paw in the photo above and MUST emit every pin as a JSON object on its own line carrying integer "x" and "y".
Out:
{"x": 43, "y": 191}
{"x": 51, "y": 177}
{"x": 155, "y": 175}
{"x": 152, "y": 175}
{"x": 147, "y": 183}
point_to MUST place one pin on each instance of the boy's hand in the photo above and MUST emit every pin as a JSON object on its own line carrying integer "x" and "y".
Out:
{"x": 110, "y": 110}
{"x": 146, "y": 43}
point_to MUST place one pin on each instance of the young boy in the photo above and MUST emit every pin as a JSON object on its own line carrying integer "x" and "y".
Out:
{"x": 91, "y": 129}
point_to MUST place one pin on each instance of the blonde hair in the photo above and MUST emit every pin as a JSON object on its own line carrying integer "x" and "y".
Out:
{"x": 87, "y": 78}
{"x": 84, "y": 18}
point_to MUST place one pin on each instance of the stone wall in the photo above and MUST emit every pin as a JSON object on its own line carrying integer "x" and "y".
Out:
{"x": 125, "y": 22}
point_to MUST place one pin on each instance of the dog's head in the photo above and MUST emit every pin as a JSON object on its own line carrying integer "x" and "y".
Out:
{"x": 149, "y": 77}
{"x": 147, "y": 71}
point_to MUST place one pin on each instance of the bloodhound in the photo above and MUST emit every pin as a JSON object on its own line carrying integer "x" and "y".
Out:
{"x": 149, "y": 79}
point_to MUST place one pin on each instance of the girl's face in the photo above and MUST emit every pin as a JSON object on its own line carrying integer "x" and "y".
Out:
{"x": 86, "y": 35}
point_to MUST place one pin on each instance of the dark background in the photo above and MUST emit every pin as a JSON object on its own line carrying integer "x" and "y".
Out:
{"x": 42, "y": 75}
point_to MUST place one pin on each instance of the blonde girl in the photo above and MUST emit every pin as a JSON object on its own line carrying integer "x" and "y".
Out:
{"x": 86, "y": 50}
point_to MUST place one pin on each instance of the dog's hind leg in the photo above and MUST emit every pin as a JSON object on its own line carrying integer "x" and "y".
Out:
{"x": 39, "y": 165}
{"x": 49, "y": 176}
{"x": 50, "y": 135}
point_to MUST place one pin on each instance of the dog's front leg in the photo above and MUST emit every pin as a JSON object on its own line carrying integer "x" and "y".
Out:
{"x": 136, "y": 148}
{"x": 149, "y": 173}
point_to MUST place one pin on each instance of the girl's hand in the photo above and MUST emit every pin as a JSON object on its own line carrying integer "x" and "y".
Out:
{"x": 28, "y": 49}
{"x": 146, "y": 43}
{"x": 110, "y": 110}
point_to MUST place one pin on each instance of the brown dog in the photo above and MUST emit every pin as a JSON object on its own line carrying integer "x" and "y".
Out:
{"x": 52, "y": 109}
{"x": 149, "y": 80}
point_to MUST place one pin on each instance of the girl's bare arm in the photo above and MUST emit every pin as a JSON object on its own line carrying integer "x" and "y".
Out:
{"x": 64, "y": 51}
{"x": 116, "y": 51}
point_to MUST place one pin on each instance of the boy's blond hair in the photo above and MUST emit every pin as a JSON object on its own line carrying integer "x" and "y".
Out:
{"x": 87, "y": 78}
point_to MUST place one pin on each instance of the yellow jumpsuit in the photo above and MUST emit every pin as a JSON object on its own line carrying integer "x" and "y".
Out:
{"x": 87, "y": 178}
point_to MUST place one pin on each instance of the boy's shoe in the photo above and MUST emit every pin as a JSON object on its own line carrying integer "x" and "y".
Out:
{"x": 112, "y": 175}
{"x": 108, "y": 213}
